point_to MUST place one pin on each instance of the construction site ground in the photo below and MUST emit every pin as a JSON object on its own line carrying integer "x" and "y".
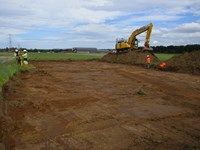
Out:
{"x": 93, "y": 105}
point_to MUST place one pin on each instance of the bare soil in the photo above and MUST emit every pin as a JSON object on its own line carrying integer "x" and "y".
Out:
{"x": 136, "y": 57}
{"x": 184, "y": 63}
{"x": 91, "y": 105}
{"x": 187, "y": 62}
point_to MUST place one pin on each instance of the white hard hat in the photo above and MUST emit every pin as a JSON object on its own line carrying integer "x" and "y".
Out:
{"x": 25, "y": 51}
{"x": 16, "y": 50}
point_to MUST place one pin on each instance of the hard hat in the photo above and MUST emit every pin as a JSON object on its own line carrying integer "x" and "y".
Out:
{"x": 147, "y": 55}
{"x": 25, "y": 51}
{"x": 16, "y": 50}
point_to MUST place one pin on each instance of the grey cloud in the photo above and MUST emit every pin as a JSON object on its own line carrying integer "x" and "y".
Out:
{"x": 5, "y": 12}
{"x": 188, "y": 28}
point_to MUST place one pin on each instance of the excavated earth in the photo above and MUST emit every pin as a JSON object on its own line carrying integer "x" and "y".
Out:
{"x": 184, "y": 63}
{"x": 92, "y": 105}
{"x": 136, "y": 57}
{"x": 187, "y": 62}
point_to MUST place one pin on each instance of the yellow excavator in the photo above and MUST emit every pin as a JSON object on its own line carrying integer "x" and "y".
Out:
{"x": 132, "y": 43}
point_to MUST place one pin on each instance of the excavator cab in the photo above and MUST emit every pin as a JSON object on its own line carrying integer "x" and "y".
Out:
{"x": 121, "y": 45}
{"x": 136, "y": 42}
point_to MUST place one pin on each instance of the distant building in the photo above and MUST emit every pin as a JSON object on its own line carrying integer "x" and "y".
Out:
{"x": 84, "y": 49}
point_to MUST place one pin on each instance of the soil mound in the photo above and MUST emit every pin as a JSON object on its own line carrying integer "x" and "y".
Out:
{"x": 186, "y": 63}
{"x": 136, "y": 57}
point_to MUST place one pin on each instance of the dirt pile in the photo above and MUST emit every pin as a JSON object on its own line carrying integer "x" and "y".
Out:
{"x": 186, "y": 63}
{"x": 132, "y": 57}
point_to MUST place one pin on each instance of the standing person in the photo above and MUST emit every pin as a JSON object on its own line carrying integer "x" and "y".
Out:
{"x": 148, "y": 61}
{"x": 17, "y": 56}
{"x": 16, "y": 53}
{"x": 25, "y": 57}
{"x": 20, "y": 57}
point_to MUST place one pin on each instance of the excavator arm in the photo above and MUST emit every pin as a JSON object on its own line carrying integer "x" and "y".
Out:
{"x": 148, "y": 35}
{"x": 132, "y": 38}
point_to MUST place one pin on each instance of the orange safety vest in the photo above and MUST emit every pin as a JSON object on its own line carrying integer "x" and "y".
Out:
{"x": 148, "y": 60}
{"x": 163, "y": 64}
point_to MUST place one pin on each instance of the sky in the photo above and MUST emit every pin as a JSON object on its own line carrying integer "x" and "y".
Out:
{"x": 96, "y": 23}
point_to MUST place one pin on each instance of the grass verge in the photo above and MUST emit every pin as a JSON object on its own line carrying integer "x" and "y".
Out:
{"x": 7, "y": 70}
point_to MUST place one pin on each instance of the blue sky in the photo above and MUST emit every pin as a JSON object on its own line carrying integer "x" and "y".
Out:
{"x": 97, "y": 23}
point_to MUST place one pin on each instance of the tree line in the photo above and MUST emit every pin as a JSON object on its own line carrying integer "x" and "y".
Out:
{"x": 156, "y": 49}
{"x": 176, "y": 49}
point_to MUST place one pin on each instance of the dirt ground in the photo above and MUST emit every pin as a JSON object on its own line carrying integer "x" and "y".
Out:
{"x": 92, "y": 105}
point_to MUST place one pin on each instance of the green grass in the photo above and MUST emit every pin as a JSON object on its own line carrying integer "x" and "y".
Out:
{"x": 74, "y": 56}
{"x": 64, "y": 56}
{"x": 164, "y": 57}
{"x": 6, "y": 54}
{"x": 9, "y": 67}
{"x": 7, "y": 70}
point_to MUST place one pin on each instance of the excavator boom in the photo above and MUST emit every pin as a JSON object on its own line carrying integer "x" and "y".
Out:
{"x": 148, "y": 35}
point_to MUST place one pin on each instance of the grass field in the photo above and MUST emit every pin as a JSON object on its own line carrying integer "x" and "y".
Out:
{"x": 75, "y": 56}
{"x": 81, "y": 56}
{"x": 164, "y": 57}
{"x": 65, "y": 56}
{"x": 6, "y": 54}
{"x": 59, "y": 56}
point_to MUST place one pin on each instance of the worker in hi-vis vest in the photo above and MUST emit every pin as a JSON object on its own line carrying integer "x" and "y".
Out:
{"x": 16, "y": 54}
{"x": 148, "y": 61}
{"x": 25, "y": 57}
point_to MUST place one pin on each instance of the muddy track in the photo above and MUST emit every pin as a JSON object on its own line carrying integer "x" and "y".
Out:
{"x": 101, "y": 106}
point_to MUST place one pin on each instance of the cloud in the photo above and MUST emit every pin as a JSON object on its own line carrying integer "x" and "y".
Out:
{"x": 192, "y": 27}
{"x": 183, "y": 34}
{"x": 95, "y": 30}
{"x": 67, "y": 23}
